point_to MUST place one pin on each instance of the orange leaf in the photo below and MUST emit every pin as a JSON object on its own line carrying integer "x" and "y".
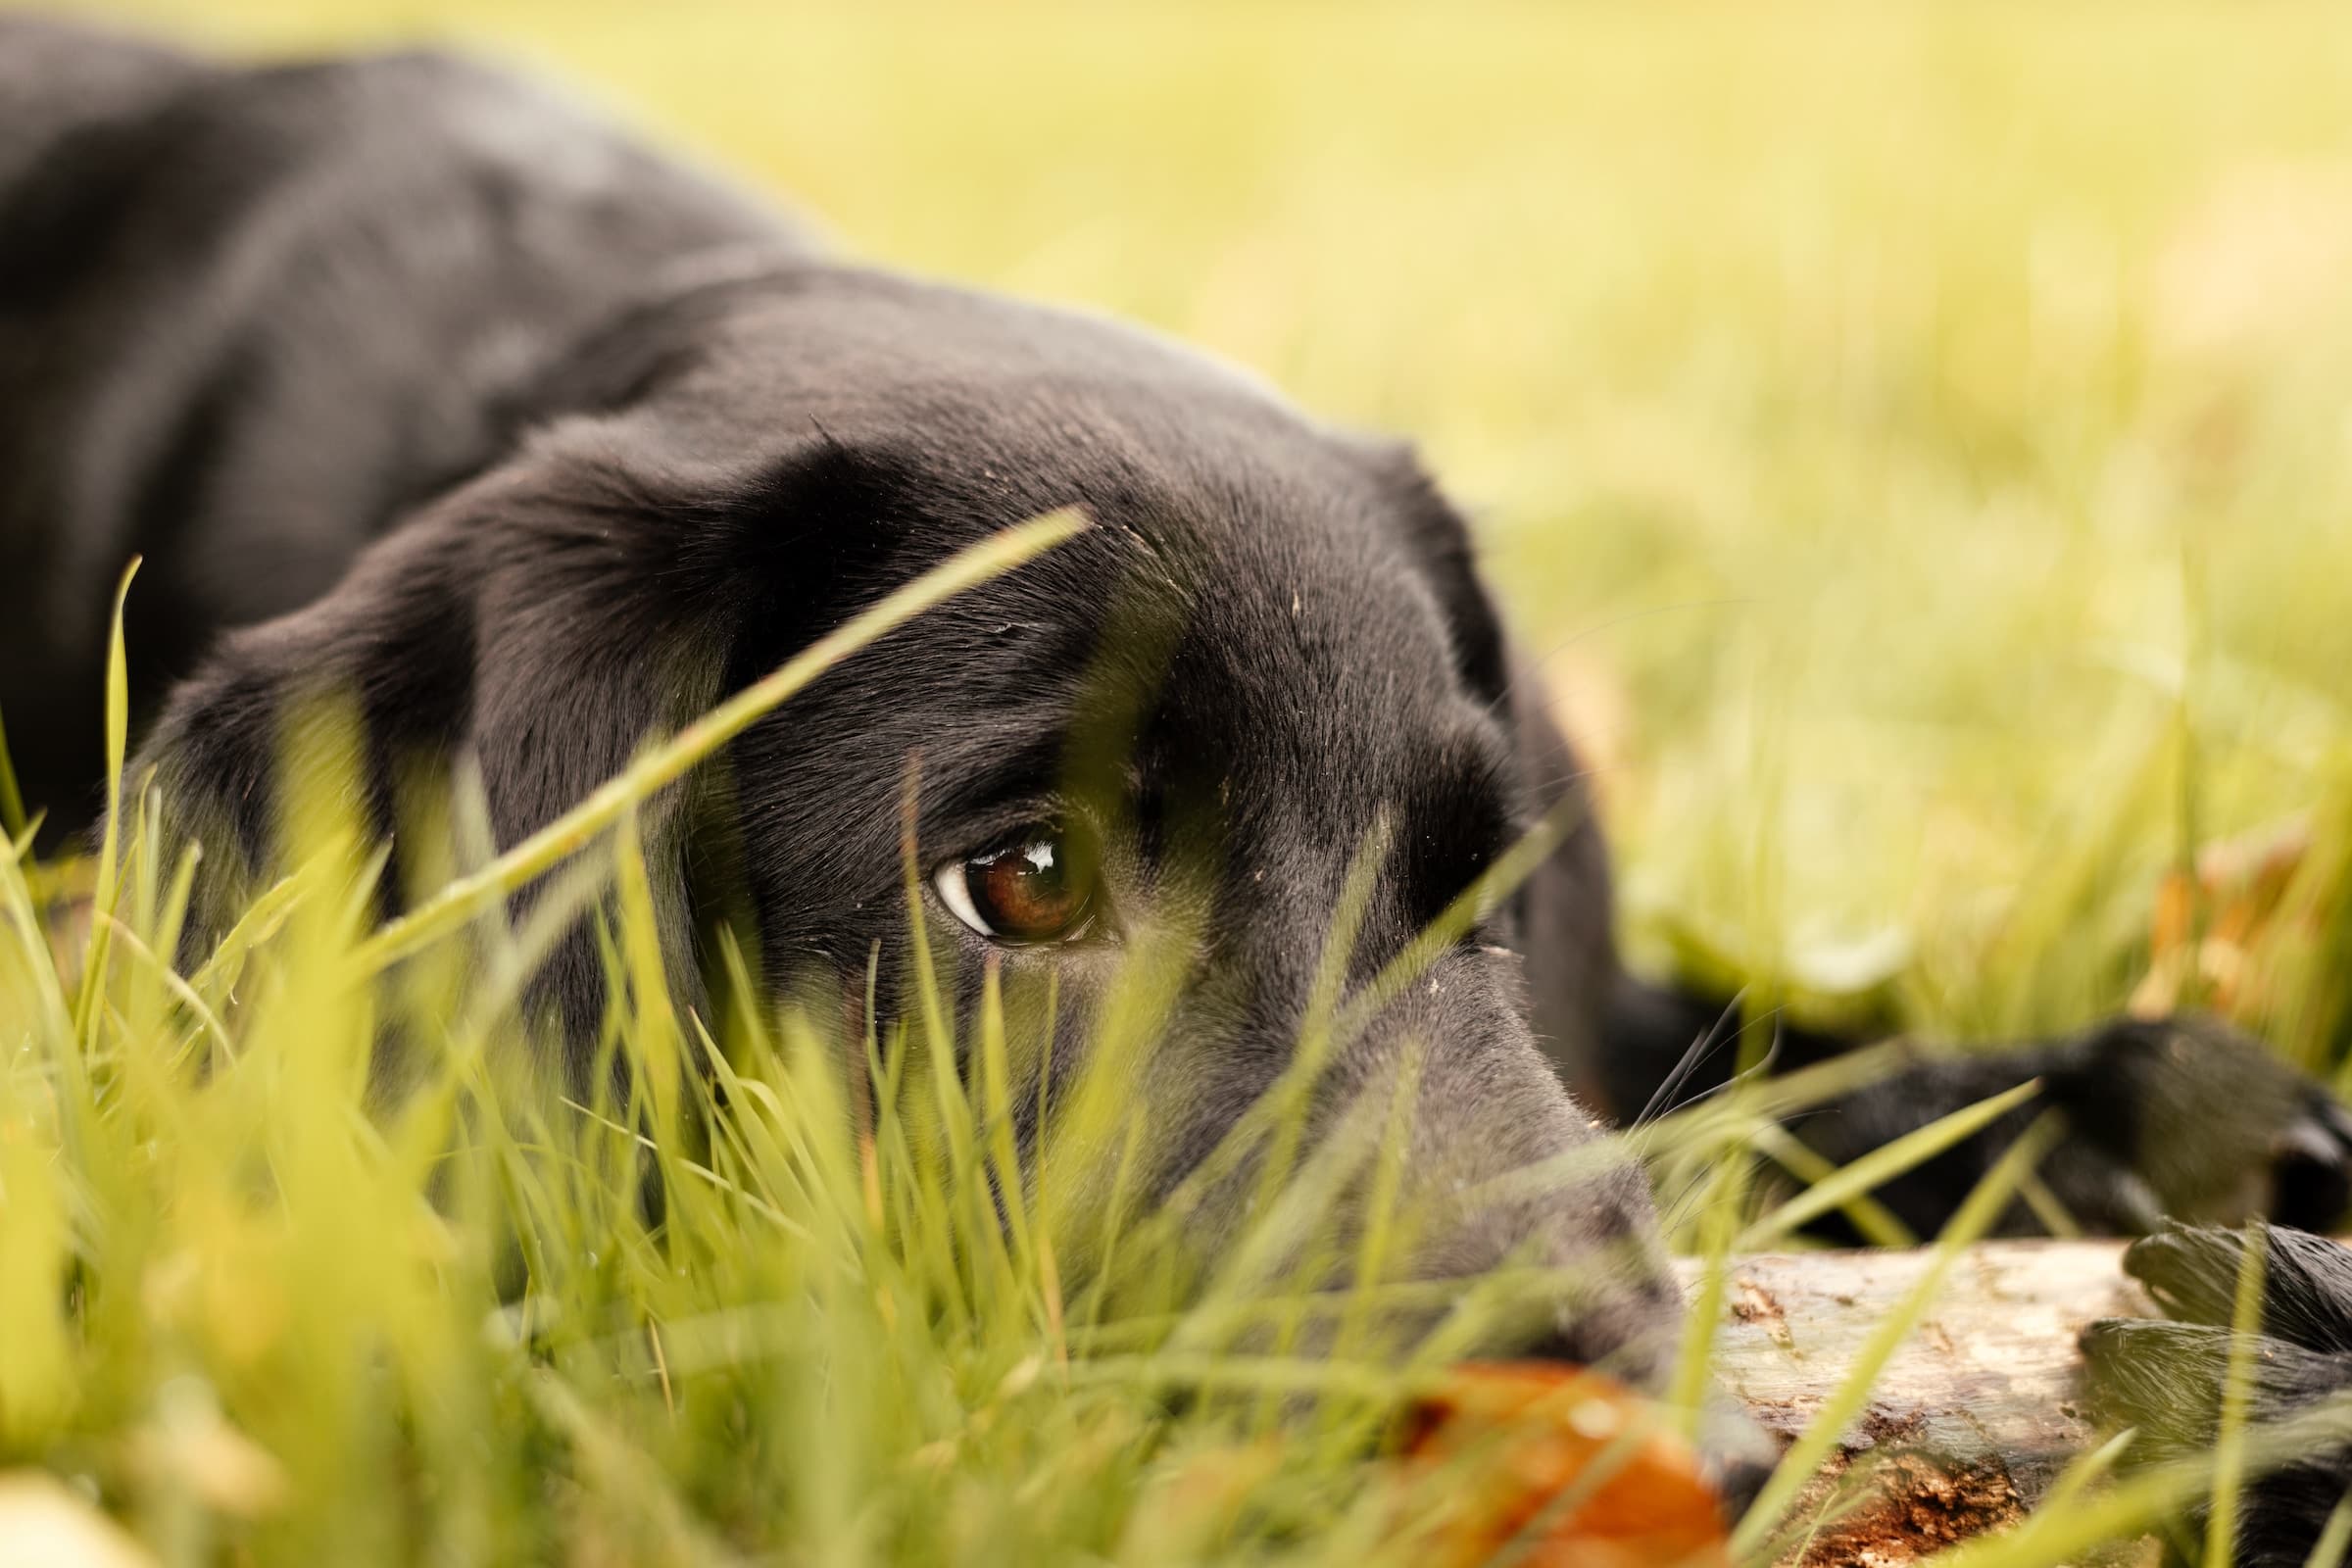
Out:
{"x": 1591, "y": 1465}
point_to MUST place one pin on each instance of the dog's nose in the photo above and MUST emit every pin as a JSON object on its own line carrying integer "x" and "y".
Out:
{"x": 1737, "y": 1457}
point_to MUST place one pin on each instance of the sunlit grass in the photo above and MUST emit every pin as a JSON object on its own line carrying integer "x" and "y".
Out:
{"x": 794, "y": 1295}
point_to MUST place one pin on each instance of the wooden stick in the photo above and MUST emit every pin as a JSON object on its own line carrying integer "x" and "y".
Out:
{"x": 1974, "y": 1419}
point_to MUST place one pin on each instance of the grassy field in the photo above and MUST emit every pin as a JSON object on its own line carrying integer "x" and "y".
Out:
{"x": 1917, "y": 433}
{"x": 1918, "y": 438}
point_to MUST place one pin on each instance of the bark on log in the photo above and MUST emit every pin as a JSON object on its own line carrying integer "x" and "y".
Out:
{"x": 1971, "y": 1421}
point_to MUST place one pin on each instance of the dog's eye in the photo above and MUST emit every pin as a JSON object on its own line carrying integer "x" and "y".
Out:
{"x": 1037, "y": 886}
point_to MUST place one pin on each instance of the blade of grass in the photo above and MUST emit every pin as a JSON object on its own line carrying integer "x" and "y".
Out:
{"x": 1496, "y": 884}
{"x": 102, "y": 896}
{"x": 2230, "y": 1440}
{"x": 1286, "y": 1101}
{"x": 209, "y": 1022}
{"x": 12, "y": 799}
{"x": 1718, "y": 1223}
{"x": 1872, "y": 1220}
{"x": 1881, "y": 1165}
{"x": 2334, "y": 1537}
{"x": 2089, "y": 1470}
{"x": 2140, "y": 1502}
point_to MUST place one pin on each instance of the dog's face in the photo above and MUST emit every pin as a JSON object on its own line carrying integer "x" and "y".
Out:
{"x": 1266, "y": 662}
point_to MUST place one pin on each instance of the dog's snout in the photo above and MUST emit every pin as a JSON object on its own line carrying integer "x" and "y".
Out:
{"x": 1502, "y": 1172}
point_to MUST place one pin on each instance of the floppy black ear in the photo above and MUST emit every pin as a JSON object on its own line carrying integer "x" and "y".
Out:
{"x": 1440, "y": 541}
{"x": 1564, "y": 909}
{"x": 541, "y": 624}
{"x": 394, "y": 641}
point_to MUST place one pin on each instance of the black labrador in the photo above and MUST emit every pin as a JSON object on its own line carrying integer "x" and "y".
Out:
{"x": 414, "y": 382}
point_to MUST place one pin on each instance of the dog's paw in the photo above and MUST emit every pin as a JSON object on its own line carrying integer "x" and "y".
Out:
{"x": 2165, "y": 1377}
{"x": 2190, "y": 1118}
{"x": 2191, "y": 1272}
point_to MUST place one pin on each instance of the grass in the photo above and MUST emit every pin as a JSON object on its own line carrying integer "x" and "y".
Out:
{"x": 267, "y": 1304}
{"x": 1914, "y": 437}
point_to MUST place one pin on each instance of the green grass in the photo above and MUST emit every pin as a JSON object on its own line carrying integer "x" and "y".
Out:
{"x": 1914, "y": 437}
{"x": 266, "y": 1303}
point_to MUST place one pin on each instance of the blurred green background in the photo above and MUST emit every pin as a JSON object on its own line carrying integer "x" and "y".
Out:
{"x": 1919, "y": 438}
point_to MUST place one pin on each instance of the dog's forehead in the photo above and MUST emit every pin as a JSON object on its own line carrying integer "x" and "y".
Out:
{"x": 963, "y": 411}
{"x": 1262, "y": 570}
{"x": 1007, "y": 404}
{"x": 1254, "y": 649}
{"x": 847, "y": 329}
{"x": 1272, "y": 638}
{"x": 1257, "y": 558}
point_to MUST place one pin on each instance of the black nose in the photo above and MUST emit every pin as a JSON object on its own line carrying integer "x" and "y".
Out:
{"x": 1738, "y": 1455}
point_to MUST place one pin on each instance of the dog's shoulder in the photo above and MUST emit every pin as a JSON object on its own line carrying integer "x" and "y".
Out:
{"x": 253, "y": 313}
{"x": 59, "y": 77}
{"x": 166, "y": 162}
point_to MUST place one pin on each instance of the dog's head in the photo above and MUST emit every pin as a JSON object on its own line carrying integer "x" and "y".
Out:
{"x": 1266, "y": 664}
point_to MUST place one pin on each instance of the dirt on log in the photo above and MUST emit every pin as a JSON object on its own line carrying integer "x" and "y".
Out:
{"x": 1972, "y": 1420}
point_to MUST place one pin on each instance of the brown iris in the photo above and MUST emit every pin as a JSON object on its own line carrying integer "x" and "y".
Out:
{"x": 1037, "y": 886}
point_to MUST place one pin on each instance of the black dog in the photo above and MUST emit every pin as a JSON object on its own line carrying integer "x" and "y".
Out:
{"x": 416, "y": 384}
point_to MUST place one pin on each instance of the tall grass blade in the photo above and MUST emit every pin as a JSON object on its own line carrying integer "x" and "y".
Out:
{"x": 1881, "y": 1165}
{"x": 2230, "y": 1435}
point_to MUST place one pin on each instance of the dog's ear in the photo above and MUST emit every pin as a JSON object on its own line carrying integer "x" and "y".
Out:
{"x": 1563, "y": 908}
{"x": 392, "y": 646}
{"x": 1440, "y": 541}
{"x": 539, "y": 624}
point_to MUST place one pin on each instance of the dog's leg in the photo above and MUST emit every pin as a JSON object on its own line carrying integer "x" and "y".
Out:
{"x": 2180, "y": 1116}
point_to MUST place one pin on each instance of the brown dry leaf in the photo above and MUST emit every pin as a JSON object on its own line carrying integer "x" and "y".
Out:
{"x": 1535, "y": 1431}
{"x": 2239, "y": 889}
{"x": 47, "y": 1524}
{"x": 1589, "y": 705}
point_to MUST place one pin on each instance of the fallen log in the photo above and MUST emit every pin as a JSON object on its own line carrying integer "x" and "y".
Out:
{"x": 1972, "y": 1420}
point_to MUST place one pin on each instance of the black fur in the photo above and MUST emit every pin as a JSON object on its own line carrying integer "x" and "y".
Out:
{"x": 419, "y": 386}
{"x": 2166, "y": 1378}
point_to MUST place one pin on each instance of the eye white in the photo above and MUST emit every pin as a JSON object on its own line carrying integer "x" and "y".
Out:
{"x": 956, "y": 894}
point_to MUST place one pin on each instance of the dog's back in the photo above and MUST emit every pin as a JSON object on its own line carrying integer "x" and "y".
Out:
{"x": 270, "y": 308}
